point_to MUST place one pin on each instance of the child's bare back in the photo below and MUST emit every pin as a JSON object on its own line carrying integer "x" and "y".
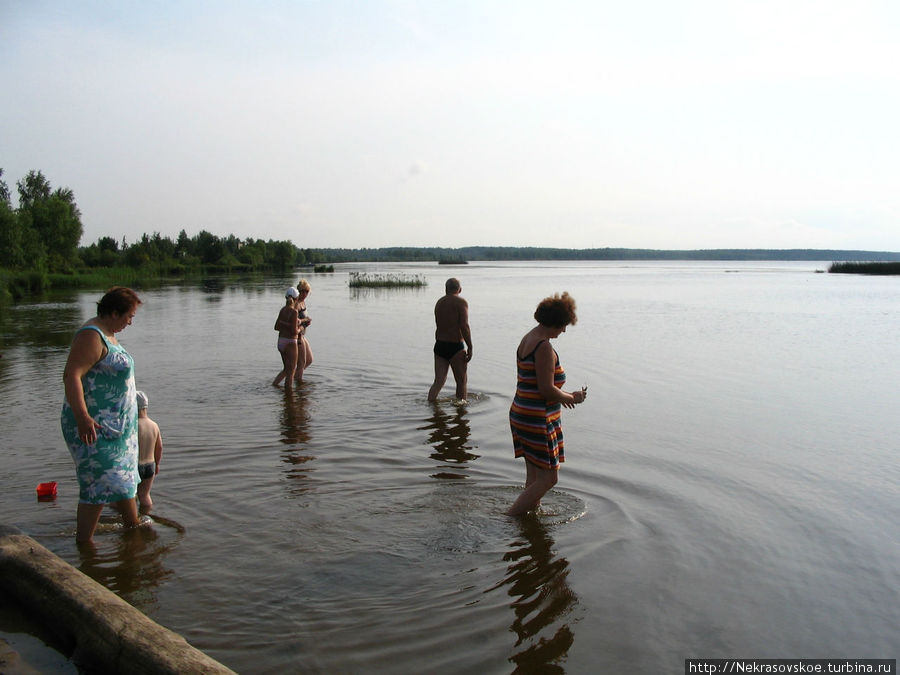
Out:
{"x": 149, "y": 452}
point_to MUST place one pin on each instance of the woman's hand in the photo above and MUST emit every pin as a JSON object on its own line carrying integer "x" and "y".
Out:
{"x": 87, "y": 430}
{"x": 577, "y": 397}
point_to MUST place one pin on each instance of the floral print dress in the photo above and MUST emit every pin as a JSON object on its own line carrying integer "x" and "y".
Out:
{"x": 107, "y": 470}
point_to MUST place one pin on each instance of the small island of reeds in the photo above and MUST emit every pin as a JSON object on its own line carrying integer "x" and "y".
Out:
{"x": 366, "y": 280}
{"x": 452, "y": 260}
{"x": 319, "y": 269}
{"x": 865, "y": 267}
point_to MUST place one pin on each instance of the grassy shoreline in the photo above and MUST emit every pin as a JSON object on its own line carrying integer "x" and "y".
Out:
{"x": 366, "y": 280}
{"x": 877, "y": 268}
{"x": 16, "y": 286}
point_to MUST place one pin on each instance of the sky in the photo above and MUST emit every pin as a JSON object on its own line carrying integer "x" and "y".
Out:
{"x": 694, "y": 124}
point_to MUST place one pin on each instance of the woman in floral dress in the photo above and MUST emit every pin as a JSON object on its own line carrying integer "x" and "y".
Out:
{"x": 99, "y": 414}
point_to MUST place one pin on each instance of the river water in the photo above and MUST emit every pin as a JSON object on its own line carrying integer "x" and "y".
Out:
{"x": 732, "y": 486}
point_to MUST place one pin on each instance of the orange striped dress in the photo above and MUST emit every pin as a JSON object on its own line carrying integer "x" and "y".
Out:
{"x": 534, "y": 421}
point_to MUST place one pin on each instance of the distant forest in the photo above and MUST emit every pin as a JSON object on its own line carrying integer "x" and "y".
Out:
{"x": 475, "y": 253}
{"x": 40, "y": 248}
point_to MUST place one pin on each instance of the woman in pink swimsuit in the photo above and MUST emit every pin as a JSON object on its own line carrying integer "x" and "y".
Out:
{"x": 288, "y": 326}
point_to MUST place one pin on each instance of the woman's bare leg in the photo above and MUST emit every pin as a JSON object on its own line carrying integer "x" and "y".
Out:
{"x": 86, "y": 519}
{"x": 88, "y": 515}
{"x": 537, "y": 483}
{"x": 127, "y": 508}
{"x": 304, "y": 357}
{"x": 308, "y": 350}
{"x": 289, "y": 360}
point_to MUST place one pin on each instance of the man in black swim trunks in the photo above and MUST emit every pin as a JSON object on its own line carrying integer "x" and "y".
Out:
{"x": 453, "y": 341}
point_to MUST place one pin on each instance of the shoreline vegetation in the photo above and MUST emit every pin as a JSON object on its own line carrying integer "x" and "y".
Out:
{"x": 452, "y": 260}
{"x": 856, "y": 267}
{"x": 40, "y": 250}
{"x": 155, "y": 259}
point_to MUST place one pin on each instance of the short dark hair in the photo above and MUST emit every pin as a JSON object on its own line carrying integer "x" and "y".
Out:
{"x": 556, "y": 311}
{"x": 452, "y": 285}
{"x": 117, "y": 300}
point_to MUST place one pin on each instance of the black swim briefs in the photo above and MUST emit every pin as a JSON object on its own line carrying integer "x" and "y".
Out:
{"x": 447, "y": 350}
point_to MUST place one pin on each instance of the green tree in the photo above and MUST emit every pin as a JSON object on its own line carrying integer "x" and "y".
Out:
{"x": 53, "y": 216}
{"x": 108, "y": 244}
{"x": 163, "y": 247}
{"x": 4, "y": 190}
{"x": 19, "y": 244}
{"x": 282, "y": 255}
{"x": 253, "y": 253}
{"x": 11, "y": 254}
{"x": 209, "y": 248}
{"x": 32, "y": 189}
{"x": 232, "y": 244}
{"x": 184, "y": 246}
{"x": 105, "y": 253}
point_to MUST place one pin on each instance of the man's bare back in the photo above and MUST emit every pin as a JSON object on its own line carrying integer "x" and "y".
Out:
{"x": 451, "y": 317}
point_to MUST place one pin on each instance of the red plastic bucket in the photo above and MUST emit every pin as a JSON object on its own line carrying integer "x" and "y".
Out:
{"x": 46, "y": 490}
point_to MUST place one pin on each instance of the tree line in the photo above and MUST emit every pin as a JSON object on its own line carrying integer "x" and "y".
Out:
{"x": 43, "y": 234}
{"x": 513, "y": 253}
{"x": 204, "y": 251}
{"x": 40, "y": 239}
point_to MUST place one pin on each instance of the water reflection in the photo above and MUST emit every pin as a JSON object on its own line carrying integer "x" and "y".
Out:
{"x": 133, "y": 567}
{"x": 363, "y": 292}
{"x": 295, "y": 416}
{"x": 538, "y": 580}
{"x": 295, "y": 430}
{"x": 449, "y": 433}
{"x": 41, "y": 325}
{"x": 213, "y": 286}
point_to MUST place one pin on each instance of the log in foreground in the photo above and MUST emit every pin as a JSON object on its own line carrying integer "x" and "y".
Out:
{"x": 100, "y": 631}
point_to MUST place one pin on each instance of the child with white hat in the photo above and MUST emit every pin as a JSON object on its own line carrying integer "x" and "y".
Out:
{"x": 150, "y": 449}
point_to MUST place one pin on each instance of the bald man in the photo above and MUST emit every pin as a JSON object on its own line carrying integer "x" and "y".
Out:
{"x": 453, "y": 340}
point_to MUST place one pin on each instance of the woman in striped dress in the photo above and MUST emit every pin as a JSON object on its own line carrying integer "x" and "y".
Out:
{"x": 534, "y": 416}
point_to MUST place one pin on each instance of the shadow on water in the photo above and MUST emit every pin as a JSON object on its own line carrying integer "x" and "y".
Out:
{"x": 133, "y": 567}
{"x": 295, "y": 430}
{"x": 448, "y": 433}
{"x": 538, "y": 580}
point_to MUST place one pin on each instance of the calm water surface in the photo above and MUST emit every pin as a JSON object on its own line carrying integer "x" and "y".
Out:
{"x": 732, "y": 485}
